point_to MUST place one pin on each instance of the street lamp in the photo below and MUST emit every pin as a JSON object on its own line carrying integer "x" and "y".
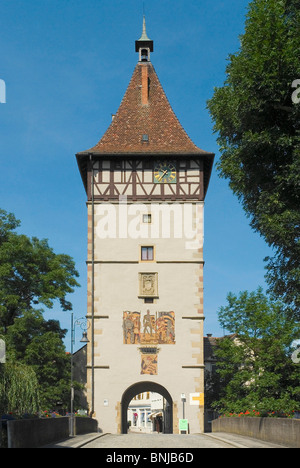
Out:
{"x": 84, "y": 325}
{"x": 84, "y": 338}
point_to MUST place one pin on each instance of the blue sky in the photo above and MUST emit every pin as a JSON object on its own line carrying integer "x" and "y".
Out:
{"x": 66, "y": 65}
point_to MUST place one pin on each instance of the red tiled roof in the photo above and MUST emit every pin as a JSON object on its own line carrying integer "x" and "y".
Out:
{"x": 145, "y": 112}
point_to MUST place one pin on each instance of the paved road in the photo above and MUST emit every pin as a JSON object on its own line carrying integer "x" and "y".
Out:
{"x": 155, "y": 441}
{"x": 160, "y": 441}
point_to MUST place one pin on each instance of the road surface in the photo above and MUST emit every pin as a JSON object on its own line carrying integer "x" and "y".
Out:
{"x": 166, "y": 441}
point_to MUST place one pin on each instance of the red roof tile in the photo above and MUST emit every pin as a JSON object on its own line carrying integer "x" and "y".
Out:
{"x": 145, "y": 110}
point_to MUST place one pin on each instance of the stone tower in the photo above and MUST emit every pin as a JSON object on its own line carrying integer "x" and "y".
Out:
{"x": 146, "y": 183}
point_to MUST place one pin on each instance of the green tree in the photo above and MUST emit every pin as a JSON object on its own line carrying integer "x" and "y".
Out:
{"x": 30, "y": 273}
{"x": 47, "y": 356}
{"x": 19, "y": 389}
{"x": 254, "y": 362}
{"x": 39, "y": 344}
{"x": 258, "y": 129}
{"x": 28, "y": 327}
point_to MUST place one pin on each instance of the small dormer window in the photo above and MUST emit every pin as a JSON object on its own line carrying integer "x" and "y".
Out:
{"x": 145, "y": 138}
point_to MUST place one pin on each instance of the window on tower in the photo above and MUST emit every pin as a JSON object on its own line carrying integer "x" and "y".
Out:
{"x": 147, "y": 218}
{"x": 147, "y": 254}
{"x": 148, "y": 300}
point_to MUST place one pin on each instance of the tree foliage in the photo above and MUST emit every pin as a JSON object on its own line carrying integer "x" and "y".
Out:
{"x": 258, "y": 129}
{"x": 19, "y": 389}
{"x": 255, "y": 368}
{"x": 32, "y": 275}
{"x": 39, "y": 344}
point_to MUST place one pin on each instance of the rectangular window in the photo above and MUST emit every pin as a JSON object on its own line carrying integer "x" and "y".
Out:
{"x": 148, "y": 300}
{"x": 147, "y": 254}
{"x": 147, "y": 165}
{"x": 147, "y": 219}
{"x": 118, "y": 165}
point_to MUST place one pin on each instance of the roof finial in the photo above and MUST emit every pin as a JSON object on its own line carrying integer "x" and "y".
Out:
{"x": 144, "y": 36}
{"x": 144, "y": 44}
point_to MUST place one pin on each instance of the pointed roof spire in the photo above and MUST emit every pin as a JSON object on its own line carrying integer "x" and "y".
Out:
{"x": 134, "y": 119}
{"x": 144, "y": 42}
{"x": 144, "y": 36}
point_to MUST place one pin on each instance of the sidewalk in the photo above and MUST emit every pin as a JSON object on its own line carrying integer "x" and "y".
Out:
{"x": 76, "y": 442}
{"x": 239, "y": 441}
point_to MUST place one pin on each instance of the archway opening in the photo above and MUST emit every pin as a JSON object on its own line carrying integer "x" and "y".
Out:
{"x": 162, "y": 418}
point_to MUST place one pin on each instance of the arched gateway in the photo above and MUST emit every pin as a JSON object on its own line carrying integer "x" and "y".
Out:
{"x": 146, "y": 183}
{"x": 142, "y": 387}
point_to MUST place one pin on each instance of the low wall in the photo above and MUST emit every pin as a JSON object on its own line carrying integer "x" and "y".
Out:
{"x": 34, "y": 433}
{"x": 85, "y": 425}
{"x": 279, "y": 431}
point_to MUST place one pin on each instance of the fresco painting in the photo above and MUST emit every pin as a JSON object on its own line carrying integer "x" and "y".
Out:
{"x": 147, "y": 328}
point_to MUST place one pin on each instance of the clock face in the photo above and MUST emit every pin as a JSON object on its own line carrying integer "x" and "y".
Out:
{"x": 165, "y": 173}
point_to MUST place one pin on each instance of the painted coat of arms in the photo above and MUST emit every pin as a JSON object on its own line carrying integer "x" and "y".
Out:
{"x": 149, "y": 364}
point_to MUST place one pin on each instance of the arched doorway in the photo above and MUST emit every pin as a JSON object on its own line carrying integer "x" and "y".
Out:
{"x": 142, "y": 387}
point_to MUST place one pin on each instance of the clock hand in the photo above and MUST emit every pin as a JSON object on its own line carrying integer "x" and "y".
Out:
{"x": 163, "y": 175}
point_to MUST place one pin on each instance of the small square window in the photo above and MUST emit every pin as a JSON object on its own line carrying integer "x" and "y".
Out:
{"x": 147, "y": 165}
{"x": 148, "y": 300}
{"x": 147, "y": 254}
{"x": 147, "y": 218}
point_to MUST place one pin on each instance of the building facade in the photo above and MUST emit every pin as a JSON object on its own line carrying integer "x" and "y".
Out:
{"x": 146, "y": 183}
{"x": 146, "y": 413}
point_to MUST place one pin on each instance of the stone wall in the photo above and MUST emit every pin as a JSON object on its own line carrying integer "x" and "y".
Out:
{"x": 35, "y": 433}
{"x": 85, "y": 425}
{"x": 279, "y": 431}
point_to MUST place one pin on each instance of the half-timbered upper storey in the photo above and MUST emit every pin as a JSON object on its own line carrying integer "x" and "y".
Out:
{"x": 145, "y": 154}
